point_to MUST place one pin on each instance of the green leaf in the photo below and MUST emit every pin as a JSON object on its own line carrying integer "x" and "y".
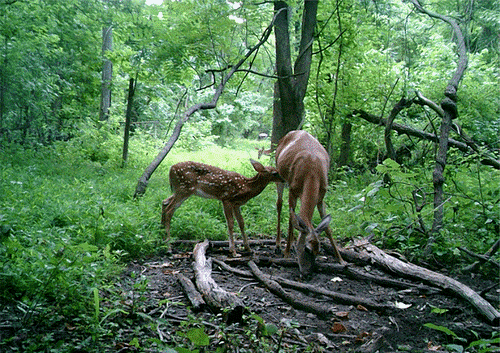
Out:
{"x": 445, "y": 330}
{"x": 198, "y": 337}
{"x": 271, "y": 329}
{"x": 437, "y": 310}
{"x": 441, "y": 329}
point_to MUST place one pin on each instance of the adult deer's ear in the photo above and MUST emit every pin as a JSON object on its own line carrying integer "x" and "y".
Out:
{"x": 323, "y": 224}
{"x": 297, "y": 222}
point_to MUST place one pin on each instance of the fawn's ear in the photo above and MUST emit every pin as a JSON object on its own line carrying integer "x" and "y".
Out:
{"x": 257, "y": 166}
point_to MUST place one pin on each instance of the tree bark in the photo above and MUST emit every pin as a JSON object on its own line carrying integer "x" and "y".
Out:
{"x": 391, "y": 151}
{"x": 107, "y": 73}
{"x": 292, "y": 83}
{"x": 345, "y": 146}
{"x": 192, "y": 294}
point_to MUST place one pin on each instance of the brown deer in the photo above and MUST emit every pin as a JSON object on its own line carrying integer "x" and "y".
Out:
{"x": 233, "y": 189}
{"x": 303, "y": 162}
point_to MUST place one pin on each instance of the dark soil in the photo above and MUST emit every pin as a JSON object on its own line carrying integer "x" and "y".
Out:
{"x": 351, "y": 328}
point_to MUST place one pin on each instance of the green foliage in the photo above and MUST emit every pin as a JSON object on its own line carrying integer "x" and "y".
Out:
{"x": 396, "y": 205}
{"x": 481, "y": 346}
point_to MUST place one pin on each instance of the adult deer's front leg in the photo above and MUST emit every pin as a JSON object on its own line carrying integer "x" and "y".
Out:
{"x": 228, "y": 213}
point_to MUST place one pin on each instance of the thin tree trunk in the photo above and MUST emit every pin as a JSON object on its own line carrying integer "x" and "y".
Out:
{"x": 128, "y": 119}
{"x": 107, "y": 73}
{"x": 345, "y": 146}
{"x": 284, "y": 99}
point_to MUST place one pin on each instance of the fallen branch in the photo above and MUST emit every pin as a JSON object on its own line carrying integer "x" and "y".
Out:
{"x": 383, "y": 281}
{"x": 348, "y": 270}
{"x": 297, "y": 303}
{"x": 395, "y": 265}
{"x": 336, "y": 296}
{"x": 233, "y": 270}
{"x": 192, "y": 294}
{"x": 482, "y": 258}
{"x": 216, "y": 297}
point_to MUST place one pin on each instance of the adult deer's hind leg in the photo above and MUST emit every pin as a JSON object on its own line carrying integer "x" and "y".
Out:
{"x": 279, "y": 205}
{"x": 292, "y": 202}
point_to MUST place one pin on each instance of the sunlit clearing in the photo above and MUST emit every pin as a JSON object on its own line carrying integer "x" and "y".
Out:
{"x": 236, "y": 19}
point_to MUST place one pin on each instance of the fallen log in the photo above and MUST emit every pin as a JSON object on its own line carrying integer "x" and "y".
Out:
{"x": 359, "y": 274}
{"x": 192, "y": 294}
{"x": 216, "y": 297}
{"x": 394, "y": 265}
{"x": 298, "y": 303}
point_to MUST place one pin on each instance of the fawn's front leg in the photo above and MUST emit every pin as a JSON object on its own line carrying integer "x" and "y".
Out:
{"x": 241, "y": 223}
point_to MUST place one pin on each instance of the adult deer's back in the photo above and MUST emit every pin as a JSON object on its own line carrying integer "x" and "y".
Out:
{"x": 303, "y": 162}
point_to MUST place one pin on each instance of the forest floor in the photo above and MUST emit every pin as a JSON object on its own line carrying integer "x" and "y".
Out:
{"x": 350, "y": 328}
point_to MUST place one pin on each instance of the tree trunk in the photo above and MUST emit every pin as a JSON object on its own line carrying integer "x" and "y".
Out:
{"x": 3, "y": 81}
{"x": 107, "y": 73}
{"x": 292, "y": 83}
{"x": 128, "y": 119}
{"x": 345, "y": 146}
